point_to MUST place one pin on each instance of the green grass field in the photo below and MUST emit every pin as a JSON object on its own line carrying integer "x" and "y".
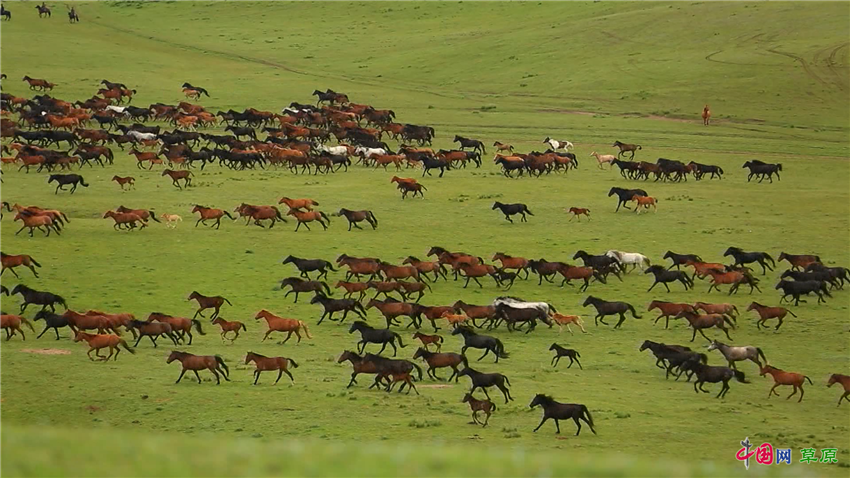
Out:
{"x": 775, "y": 75}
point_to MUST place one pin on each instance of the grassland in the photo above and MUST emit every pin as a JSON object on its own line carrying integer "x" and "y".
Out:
{"x": 590, "y": 73}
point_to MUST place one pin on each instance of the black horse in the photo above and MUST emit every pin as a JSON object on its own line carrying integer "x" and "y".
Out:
{"x": 6, "y": 14}
{"x": 562, "y": 411}
{"x": 475, "y": 341}
{"x": 470, "y": 143}
{"x": 386, "y": 367}
{"x": 300, "y": 285}
{"x": 338, "y": 305}
{"x": 604, "y": 308}
{"x": 798, "y": 288}
{"x": 765, "y": 170}
{"x": 840, "y": 273}
{"x": 663, "y": 276}
{"x": 512, "y": 316}
{"x": 310, "y": 265}
{"x": 628, "y": 169}
{"x": 52, "y": 321}
{"x": 486, "y": 380}
{"x": 625, "y": 195}
{"x": 64, "y": 179}
{"x": 368, "y": 334}
{"x": 662, "y": 352}
{"x": 701, "y": 170}
{"x": 510, "y": 166}
{"x": 72, "y": 16}
{"x": 712, "y": 374}
{"x": 429, "y": 163}
{"x": 510, "y": 209}
{"x": 240, "y": 131}
{"x": 597, "y": 262}
{"x": 196, "y": 88}
{"x": 44, "y": 299}
{"x": 822, "y": 276}
{"x": 681, "y": 259}
{"x": 743, "y": 258}
{"x": 565, "y": 352}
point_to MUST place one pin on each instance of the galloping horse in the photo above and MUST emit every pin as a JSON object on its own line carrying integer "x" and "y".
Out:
{"x": 208, "y": 213}
{"x": 204, "y": 302}
{"x": 12, "y": 261}
{"x": 213, "y": 363}
{"x": 706, "y": 116}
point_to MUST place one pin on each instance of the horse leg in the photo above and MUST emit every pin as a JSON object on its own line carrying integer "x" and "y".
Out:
{"x": 792, "y": 393}
{"x": 181, "y": 376}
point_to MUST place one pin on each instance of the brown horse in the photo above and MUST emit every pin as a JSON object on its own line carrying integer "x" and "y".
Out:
{"x": 180, "y": 325}
{"x": 476, "y": 406}
{"x": 729, "y": 310}
{"x": 280, "y": 324}
{"x": 510, "y": 262}
{"x": 359, "y": 365}
{"x": 204, "y": 302}
{"x": 437, "y": 360}
{"x": 645, "y": 202}
{"x": 102, "y": 341}
{"x": 264, "y": 364}
{"x": 39, "y": 83}
{"x": 798, "y": 261}
{"x": 385, "y": 287}
{"x": 626, "y": 148}
{"x": 415, "y": 188}
{"x": 503, "y": 147}
{"x": 844, "y": 380}
{"x": 34, "y": 222}
{"x": 668, "y": 309}
{"x": 304, "y": 203}
{"x": 699, "y": 322}
{"x": 701, "y": 269}
{"x": 429, "y": 339}
{"x": 577, "y": 212}
{"x": 260, "y": 213}
{"x": 12, "y": 324}
{"x": 352, "y": 287}
{"x": 358, "y": 267}
{"x": 781, "y": 377}
{"x": 486, "y": 312}
{"x": 128, "y": 219}
{"x": 309, "y": 216}
{"x": 12, "y": 261}
{"x": 424, "y": 266}
{"x": 209, "y": 213}
{"x": 228, "y": 326}
{"x": 474, "y": 271}
{"x": 735, "y": 278}
{"x": 116, "y": 320}
{"x": 391, "y": 310}
{"x": 562, "y": 320}
{"x": 213, "y": 363}
{"x": 706, "y": 115}
{"x": 392, "y": 272}
{"x": 766, "y": 313}
{"x": 125, "y": 180}
{"x": 77, "y": 322}
{"x": 177, "y": 176}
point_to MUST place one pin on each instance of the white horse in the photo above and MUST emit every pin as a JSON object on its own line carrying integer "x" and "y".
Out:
{"x": 364, "y": 152}
{"x": 337, "y": 150}
{"x": 117, "y": 109}
{"x": 139, "y": 136}
{"x": 635, "y": 259}
{"x": 518, "y": 303}
{"x": 556, "y": 145}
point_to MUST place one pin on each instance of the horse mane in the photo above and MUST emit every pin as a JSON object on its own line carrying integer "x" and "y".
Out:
{"x": 545, "y": 398}
{"x": 257, "y": 355}
{"x": 138, "y": 323}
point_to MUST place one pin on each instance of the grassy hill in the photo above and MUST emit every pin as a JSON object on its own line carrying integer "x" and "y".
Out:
{"x": 518, "y": 72}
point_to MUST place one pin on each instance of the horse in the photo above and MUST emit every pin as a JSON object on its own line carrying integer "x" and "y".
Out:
{"x": 562, "y": 320}
{"x": 668, "y": 309}
{"x": 52, "y": 321}
{"x": 663, "y": 276}
{"x": 310, "y": 265}
{"x": 470, "y": 143}
{"x": 101, "y": 341}
{"x": 699, "y": 322}
{"x": 573, "y": 355}
{"x": 712, "y": 374}
{"x": 701, "y": 170}
{"x": 64, "y": 179}
{"x": 562, "y": 411}
{"x": 399, "y": 370}
{"x": 726, "y": 309}
{"x": 437, "y": 360}
{"x": 213, "y": 363}
{"x": 12, "y": 324}
{"x": 204, "y": 302}
{"x": 414, "y": 287}
{"x": 280, "y": 324}
{"x": 357, "y": 216}
{"x": 735, "y": 354}
{"x": 844, "y": 380}
{"x": 189, "y": 86}
{"x": 486, "y": 380}
{"x": 604, "y": 308}
{"x": 486, "y": 312}
{"x": 765, "y": 170}
{"x": 128, "y": 219}
{"x": 369, "y": 334}
{"x": 36, "y": 221}
{"x": 798, "y": 288}
{"x": 6, "y": 14}
{"x": 429, "y": 339}
{"x": 43, "y": 10}
{"x": 503, "y": 147}
{"x": 176, "y": 176}
{"x": 781, "y": 377}
{"x": 744, "y": 258}
{"x": 680, "y": 259}
{"x": 663, "y": 352}
{"x": 336, "y": 305}
{"x": 125, "y": 180}
{"x": 309, "y": 216}
{"x": 510, "y": 209}
{"x": 72, "y": 16}
{"x": 260, "y": 213}
{"x": 555, "y": 144}
{"x": 766, "y": 313}
{"x": 476, "y": 406}
{"x": 474, "y": 271}
{"x": 629, "y": 258}
{"x": 625, "y": 195}
{"x": 735, "y": 278}
{"x": 171, "y": 220}
{"x": 208, "y": 213}
{"x": 577, "y": 212}
{"x": 584, "y": 273}
{"x": 798, "y": 261}
{"x": 473, "y": 340}
{"x": 706, "y": 115}
{"x": 179, "y": 325}
{"x": 300, "y": 285}
{"x": 645, "y": 202}
{"x": 264, "y": 364}
{"x": 359, "y": 365}
{"x": 426, "y": 266}
{"x": 152, "y": 330}
{"x": 11, "y": 261}
{"x": 32, "y": 296}
{"x": 603, "y": 159}
{"x": 416, "y": 188}
{"x": 545, "y": 308}
{"x": 229, "y": 326}
{"x": 626, "y": 148}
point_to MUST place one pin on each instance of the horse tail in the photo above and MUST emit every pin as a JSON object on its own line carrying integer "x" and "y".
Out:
{"x": 197, "y": 326}
{"x": 327, "y": 289}
{"x": 767, "y": 256}
{"x": 418, "y": 369}
{"x": 243, "y": 327}
{"x": 551, "y": 308}
{"x": 204, "y": 92}
{"x": 761, "y": 354}
{"x": 500, "y": 349}
{"x": 277, "y": 214}
{"x": 586, "y": 412}
{"x": 400, "y": 344}
{"x": 64, "y": 217}
{"x": 462, "y": 358}
{"x": 35, "y": 262}
{"x": 126, "y": 347}
{"x": 728, "y": 321}
{"x": 26, "y": 321}
{"x": 506, "y": 379}
{"x": 634, "y": 314}
{"x": 314, "y": 203}
{"x": 807, "y": 378}
{"x": 228, "y": 214}
{"x": 83, "y": 182}
{"x": 493, "y": 405}
{"x": 740, "y": 376}
{"x": 735, "y": 308}
{"x": 528, "y": 211}
{"x": 303, "y": 324}
{"x": 325, "y": 216}
{"x": 293, "y": 362}
{"x": 153, "y": 216}
{"x": 792, "y": 313}
{"x": 220, "y": 361}
{"x": 62, "y": 301}
{"x": 578, "y": 354}
{"x": 639, "y": 147}
{"x": 720, "y": 169}
{"x": 372, "y": 217}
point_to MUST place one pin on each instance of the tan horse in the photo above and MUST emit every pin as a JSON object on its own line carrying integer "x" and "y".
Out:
{"x": 603, "y": 159}
{"x": 706, "y": 116}
{"x": 563, "y": 320}
{"x": 280, "y": 324}
{"x": 644, "y": 202}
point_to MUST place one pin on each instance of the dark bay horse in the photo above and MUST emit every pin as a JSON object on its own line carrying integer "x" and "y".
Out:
{"x": 510, "y": 209}
{"x": 561, "y": 411}
{"x": 213, "y": 363}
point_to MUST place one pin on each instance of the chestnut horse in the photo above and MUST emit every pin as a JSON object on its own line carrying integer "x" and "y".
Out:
{"x": 668, "y": 309}
{"x": 264, "y": 364}
{"x": 706, "y": 115}
{"x": 12, "y": 261}
{"x": 125, "y": 180}
{"x": 781, "y": 377}
{"x": 577, "y": 212}
{"x": 208, "y": 213}
{"x": 12, "y": 323}
{"x": 213, "y": 363}
{"x": 306, "y": 204}
{"x": 128, "y": 219}
{"x": 228, "y": 326}
{"x": 510, "y": 262}
{"x": 766, "y": 313}
{"x": 204, "y": 302}
{"x": 177, "y": 176}
{"x": 309, "y": 216}
{"x": 102, "y": 341}
{"x": 280, "y": 324}
{"x": 844, "y": 380}
{"x": 33, "y": 222}
{"x": 180, "y": 325}
{"x": 562, "y": 320}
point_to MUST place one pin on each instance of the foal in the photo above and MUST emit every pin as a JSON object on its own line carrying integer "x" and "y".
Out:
{"x": 565, "y": 352}
{"x": 227, "y": 326}
{"x": 485, "y": 406}
{"x": 577, "y": 212}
